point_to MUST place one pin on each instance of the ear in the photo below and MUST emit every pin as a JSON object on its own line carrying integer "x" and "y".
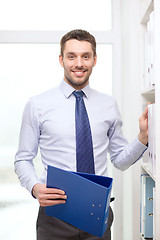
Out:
{"x": 94, "y": 60}
{"x": 61, "y": 60}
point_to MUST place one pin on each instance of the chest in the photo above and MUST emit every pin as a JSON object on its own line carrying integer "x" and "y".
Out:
{"x": 58, "y": 121}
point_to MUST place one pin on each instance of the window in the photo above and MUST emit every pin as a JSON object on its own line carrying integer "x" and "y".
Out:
{"x": 55, "y": 15}
{"x": 28, "y": 68}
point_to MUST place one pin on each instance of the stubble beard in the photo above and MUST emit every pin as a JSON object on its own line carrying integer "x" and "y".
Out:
{"x": 75, "y": 83}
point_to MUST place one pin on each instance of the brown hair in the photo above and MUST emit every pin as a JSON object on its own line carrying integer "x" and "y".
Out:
{"x": 80, "y": 35}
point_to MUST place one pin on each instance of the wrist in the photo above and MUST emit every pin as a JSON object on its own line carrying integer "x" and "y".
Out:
{"x": 143, "y": 139}
{"x": 35, "y": 189}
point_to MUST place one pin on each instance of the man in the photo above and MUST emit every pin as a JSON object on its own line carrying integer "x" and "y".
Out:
{"x": 49, "y": 123}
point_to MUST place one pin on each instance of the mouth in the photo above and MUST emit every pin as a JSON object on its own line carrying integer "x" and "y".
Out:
{"x": 79, "y": 73}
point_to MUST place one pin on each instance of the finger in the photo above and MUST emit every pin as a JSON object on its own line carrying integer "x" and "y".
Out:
{"x": 145, "y": 112}
{"x": 56, "y": 196}
{"x": 48, "y": 203}
{"x": 50, "y": 197}
{"x": 55, "y": 191}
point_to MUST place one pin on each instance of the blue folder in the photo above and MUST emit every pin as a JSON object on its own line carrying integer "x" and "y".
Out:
{"x": 148, "y": 208}
{"x": 88, "y": 199}
{"x": 147, "y": 185}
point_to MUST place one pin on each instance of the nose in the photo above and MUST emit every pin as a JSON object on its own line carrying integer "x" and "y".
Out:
{"x": 79, "y": 62}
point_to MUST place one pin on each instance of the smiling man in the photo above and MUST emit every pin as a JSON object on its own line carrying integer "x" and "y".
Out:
{"x": 78, "y": 63}
{"x": 50, "y": 123}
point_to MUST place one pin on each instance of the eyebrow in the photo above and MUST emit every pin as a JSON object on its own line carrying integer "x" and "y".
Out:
{"x": 85, "y": 53}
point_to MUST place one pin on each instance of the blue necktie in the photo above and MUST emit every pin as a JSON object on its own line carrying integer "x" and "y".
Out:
{"x": 84, "y": 146}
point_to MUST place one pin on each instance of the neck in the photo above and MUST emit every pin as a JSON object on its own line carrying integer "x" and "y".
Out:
{"x": 76, "y": 86}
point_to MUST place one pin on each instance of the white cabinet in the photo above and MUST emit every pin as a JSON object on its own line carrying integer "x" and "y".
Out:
{"x": 150, "y": 92}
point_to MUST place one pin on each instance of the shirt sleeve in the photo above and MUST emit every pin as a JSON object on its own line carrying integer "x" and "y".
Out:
{"x": 122, "y": 153}
{"x": 28, "y": 148}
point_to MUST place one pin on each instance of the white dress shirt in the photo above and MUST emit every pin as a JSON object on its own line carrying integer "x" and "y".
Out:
{"x": 49, "y": 123}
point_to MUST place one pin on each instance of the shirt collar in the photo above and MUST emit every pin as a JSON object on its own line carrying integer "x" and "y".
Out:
{"x": 68, "y": 89}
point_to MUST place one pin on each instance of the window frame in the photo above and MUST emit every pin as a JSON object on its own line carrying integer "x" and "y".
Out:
{"x": 113, "y": 37}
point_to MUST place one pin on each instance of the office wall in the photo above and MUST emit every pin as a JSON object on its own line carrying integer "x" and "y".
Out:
{"x": 131, "y": 111}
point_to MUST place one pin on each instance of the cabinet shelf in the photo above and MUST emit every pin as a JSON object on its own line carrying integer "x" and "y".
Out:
{"x": 148, "y": 7}
{"x": 149, "y": 94}
{"x": 146, "y": 169}
{"x": 148, "y": 91}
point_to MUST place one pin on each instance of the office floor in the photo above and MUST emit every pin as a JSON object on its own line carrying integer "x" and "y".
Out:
{"x": 18, "y": 213}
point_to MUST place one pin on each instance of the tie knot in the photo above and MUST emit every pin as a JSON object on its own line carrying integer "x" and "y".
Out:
{"x": 78, "y": 94}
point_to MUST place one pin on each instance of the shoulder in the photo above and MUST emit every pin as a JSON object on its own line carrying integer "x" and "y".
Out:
{"x": 46, "y": 97}
{"x": 104, "y": 102}
{"x": 102, "y": 97}
{"x": 42, "y": 102}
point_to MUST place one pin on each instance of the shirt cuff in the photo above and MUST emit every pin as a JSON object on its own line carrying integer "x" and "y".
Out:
{"x": 142, "y": 145}
{"x": 138, "y": 148}
{"x": 31, "y": 184}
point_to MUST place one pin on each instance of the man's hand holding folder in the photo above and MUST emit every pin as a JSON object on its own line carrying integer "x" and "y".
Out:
{"x": 48, "y": 196}
{"x": 88, "y": 199}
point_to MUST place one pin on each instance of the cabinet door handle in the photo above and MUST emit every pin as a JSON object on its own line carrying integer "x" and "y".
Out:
{"x": 150, "y": 199}
{"x": 150, "y": 214}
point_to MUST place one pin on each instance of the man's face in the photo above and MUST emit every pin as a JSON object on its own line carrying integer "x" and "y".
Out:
{"x": 77, "y": 60}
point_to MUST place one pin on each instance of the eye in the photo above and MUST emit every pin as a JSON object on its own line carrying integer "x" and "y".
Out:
{"x": 86, "y": 56}
{"x": 71, "y": 57}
